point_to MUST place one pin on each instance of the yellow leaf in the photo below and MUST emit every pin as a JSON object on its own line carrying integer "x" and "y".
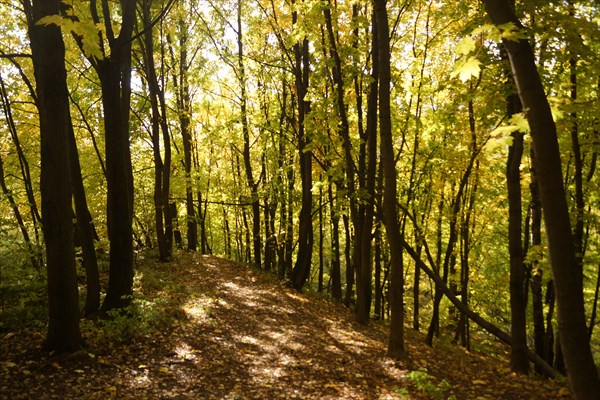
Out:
{"x": 465, "y": 69}
{"x": 564, "y": 392}
{"x": 333, "y": 386}
{"x": 50, "y": 19}
{"x": 164, "y": 369}
{"x": 465, "y": 46}
{"x": 510, "y": 31}
{"x": 79, "y": 371}
{"x": 142, "y": 366}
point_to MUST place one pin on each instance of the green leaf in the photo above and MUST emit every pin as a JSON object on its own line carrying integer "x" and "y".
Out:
{"x": 50, "y": 20}
{"x": 467, "y": 68}
{"x": 519, "y": 122}
{"x": 465, "y": 46}
{"x": 510, "y": 31}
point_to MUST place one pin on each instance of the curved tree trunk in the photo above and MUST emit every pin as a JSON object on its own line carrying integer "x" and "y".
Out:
{"x": 85, "y": 230}
{"x": 568, "y": 274}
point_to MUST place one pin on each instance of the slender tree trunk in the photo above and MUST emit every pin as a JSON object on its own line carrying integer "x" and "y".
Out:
{"x": 518, "y": 356}
{"x": 321, "y": 242}
{"x": 364, "y": 269}
{"x": 301, "y": 270}
{"x": 578, "y": 229}
{"x": 335, "y": 272}
{"x": 35, "y": 255}
{"x": 25, "y": 171}
{"x": 34, "y": 258}
{"x": 48, "y": 54}
{"x": 568, "y": 275}
{"x": 396, "y": 348}
{"x": 161, "y": 168}
{"x": 184, "y": 110}
{"x": 537, "y": 298}
{"x": 489, "y": 327}
{"x": 594, "y": 310}
{"x": 253, "y": 186}
{"x": 350, "y": 272}
{"x": 85, "y": 229}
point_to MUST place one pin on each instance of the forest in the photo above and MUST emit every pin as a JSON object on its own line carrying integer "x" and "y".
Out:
{"x": 426, "y": 167}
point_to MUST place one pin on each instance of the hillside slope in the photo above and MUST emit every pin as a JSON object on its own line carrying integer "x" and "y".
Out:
{"x": 211, "y": 329}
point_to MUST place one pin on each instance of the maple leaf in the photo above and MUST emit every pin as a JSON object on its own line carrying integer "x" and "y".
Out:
{"x": 465, "y": 46}
{"x": 467, "y": 68}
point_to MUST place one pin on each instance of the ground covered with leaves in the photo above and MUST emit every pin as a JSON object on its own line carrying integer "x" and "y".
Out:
{"x": 205, "y": 328}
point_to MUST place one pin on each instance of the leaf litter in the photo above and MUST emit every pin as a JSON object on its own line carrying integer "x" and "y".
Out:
{"x": 223, "y": 331}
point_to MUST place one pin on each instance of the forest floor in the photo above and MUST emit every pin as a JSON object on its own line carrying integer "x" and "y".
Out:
{"x": 205, "y": 328}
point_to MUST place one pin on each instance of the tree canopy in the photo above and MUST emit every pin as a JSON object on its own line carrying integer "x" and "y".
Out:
{"x": 431, "y": 164}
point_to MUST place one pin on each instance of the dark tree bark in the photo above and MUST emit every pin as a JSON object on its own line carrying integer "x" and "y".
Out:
{"x": 162, "y": 165}
{"x": 301, "y": 270}
{"x": 519, "y": 362}
{"x": 363, "y": 266}
{"x": 48, "y": 53}
{"x": 396, "y": 348}
{"x": 568, "y": 275}
{"x": 478, "y": 319}
{"x": 537, "y": 298}
{"x": 85, "y": 230}
{"x": 252, "y": 184}
{"x": 335, "y": 272}
{"x": 184, "y": 112}
{"x": 114, "y": 72}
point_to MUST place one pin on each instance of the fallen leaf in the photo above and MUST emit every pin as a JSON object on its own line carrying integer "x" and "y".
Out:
{"x": 9, "y": 364}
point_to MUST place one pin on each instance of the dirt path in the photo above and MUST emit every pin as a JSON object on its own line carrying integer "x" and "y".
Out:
{"x": 231, "y": 333}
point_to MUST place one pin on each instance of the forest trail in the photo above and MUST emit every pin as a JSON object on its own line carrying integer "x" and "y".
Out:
{"x": 212, "y": 329}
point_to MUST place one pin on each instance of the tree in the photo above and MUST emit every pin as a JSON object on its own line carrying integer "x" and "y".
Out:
{"x": 518, "y": 356}
{"x": 301, "y": 270}
{"x": 48, "y": 54}
{"x": 159, "y": 128}
{"x": 568, "y": 275}
{"x": 114, "y": 72}
{"x": 396, "y": 347}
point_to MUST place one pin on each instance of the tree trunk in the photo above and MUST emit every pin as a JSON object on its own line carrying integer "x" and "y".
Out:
{"x": 48, "y": 54}
{"x": 252, "y": 185}
{"x": 301, "y": 270}
{"x": 568, "y": 275}
{"x": 364, "y": 269}
{"x": 396, "y": 347}
{"x": 85, "y": 229}
{"x": 162, "y": 166}
{"x": 489, "y": 327}
{"x": 114, "y": 73}
{"x": 537, "y": 298}
{"x": 518, "y": 305}
{"x": 25, "y": 171}
{"x": 35, "y": 256}
{"x": 335, "y": 272}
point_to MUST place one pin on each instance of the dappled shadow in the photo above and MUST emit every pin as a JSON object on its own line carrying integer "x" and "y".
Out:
{"x": 225, "y": 331}
{"x": 262, "y": 340}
